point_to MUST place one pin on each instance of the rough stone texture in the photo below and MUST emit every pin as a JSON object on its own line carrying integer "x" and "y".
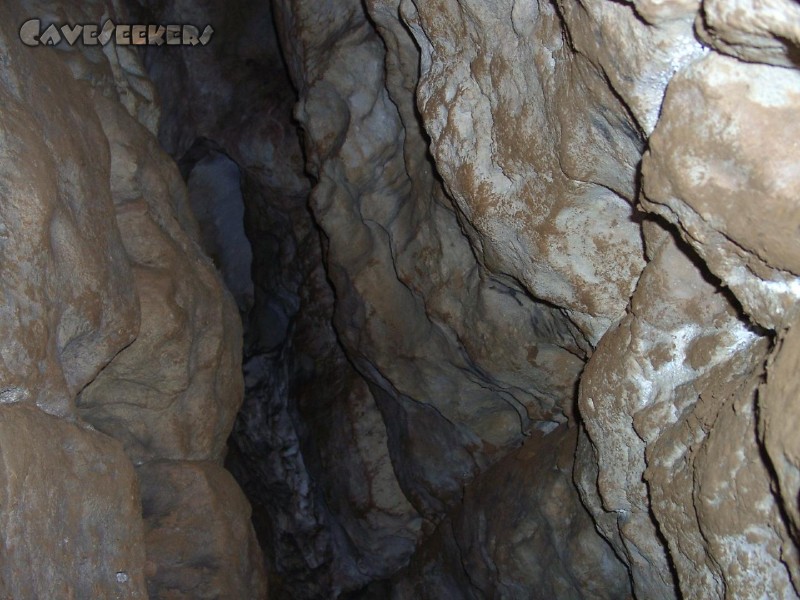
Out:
{"x": 517, "y": 249}
{"x": 56, "y": 242}
{"x": 695, "y": 160}
{"x": 763, "y": 32}
{"x": 461, "y": 362}
{"x": 111, "y": 317}
{"x": 400, "y": 265}
{"x": 556, "y": 238}
{"x": 70, "y": 507}
{"x": 71, "y": 514}
{"x": 778, "y": 422}
{"x": 662, "y": 397}
{"x": 530, "y": 157}
{"x": 198, "y": 533}
{"x": 309, "y": 447}
{"x": 174, "y": 392}
{"x": 481, "y": 552}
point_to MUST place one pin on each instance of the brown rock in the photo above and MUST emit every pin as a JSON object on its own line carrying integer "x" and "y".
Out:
{"x": 200, "y": 542}
{"x": 521, "y": 532}
{"x": 522, "y": 153}
{"x": 539, "y": 171}
{"x": 778, "y": 426}
{"x": 173, "y": 393}
{"x": 712, "y": 178}
{"x": 476, "y": 167}
{"x": 70, "y": 522}
{"x": 667, "y": 401}
{"x": 411, "y": 294}
{"x": 764, "y": 31}
{"x": 80, "y": 164}
{"x": 69, "y": 304}
{"x": 734, "y": 542}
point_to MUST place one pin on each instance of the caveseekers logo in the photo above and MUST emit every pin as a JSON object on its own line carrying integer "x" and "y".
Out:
{"x": 31, "y": 34}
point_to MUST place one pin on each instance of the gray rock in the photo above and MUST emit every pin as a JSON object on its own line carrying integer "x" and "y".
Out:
{"x": 521, "y": 532}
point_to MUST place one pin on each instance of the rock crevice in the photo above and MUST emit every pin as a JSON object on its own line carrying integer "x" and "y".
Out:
{"x": 400, "y": 299}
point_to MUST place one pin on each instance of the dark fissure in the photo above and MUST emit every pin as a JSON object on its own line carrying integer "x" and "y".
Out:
{"x": 379, "y": 299}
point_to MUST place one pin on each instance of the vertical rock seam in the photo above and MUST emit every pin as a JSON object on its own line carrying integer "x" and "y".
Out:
{"x": 400, "y": 299}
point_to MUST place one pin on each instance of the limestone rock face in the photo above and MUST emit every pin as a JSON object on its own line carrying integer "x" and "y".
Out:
{"x": 114, "y": 323}
{"x": 658, "y": 398}
{"x": 172, "y": 393}
{"x": 710, "y": 178}
{"x": 777, "y": 426}
{"x": 56, "y": 239}
{"x": 522, "y": 319}
{"x": 536, "y": 159}
{"x": 198, "y": 533}
{"x": 309, "y": 446}
{"x": 484, "y": 551}
{"x": 400, "y": 264}
{"x": 516, "y": 263}
{"x": 755, "y": 32}
{"x": 71, "y": 518}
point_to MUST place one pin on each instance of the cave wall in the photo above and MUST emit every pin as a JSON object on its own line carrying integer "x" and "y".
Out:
{"x": 518, "y": 198}
{"x": 121, "y": 353}
{"x": 521, "y": 317}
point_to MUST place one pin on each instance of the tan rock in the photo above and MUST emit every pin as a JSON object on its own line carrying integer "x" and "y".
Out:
{"x": 69, "y": 305}
{"x": 476, "y": 168}
{"x": 82, "y": 304}
{"x": 765, "y": 31}
{"x": 668, "y": 404}
{"x": 778, "y": 426}
{"x": 522, "y": 153}
{"x": 70, "y": 523}
{"x": 539, "y": 170}
{"x": 174, "y": 392}
{"x": 729, "y": 181}
{"x": 398, "y": 311}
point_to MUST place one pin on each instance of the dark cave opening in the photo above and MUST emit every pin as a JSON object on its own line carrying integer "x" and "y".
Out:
{"x": 215, "y": 196}
{"x": 391, "y": 442}
{"x": 392, "y": 299}
{"x": 336, "y": 513}
{"x": 231, "y": 130}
